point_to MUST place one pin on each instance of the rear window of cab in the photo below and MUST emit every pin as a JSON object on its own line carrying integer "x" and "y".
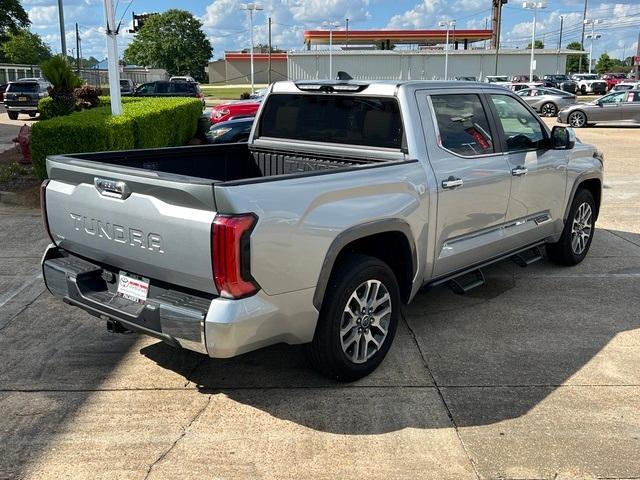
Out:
{"x": 343, "y": 119}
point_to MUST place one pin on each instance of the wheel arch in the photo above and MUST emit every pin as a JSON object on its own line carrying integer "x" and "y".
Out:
{"x": 591, "y": 183}
{"x": 389, "y": 240}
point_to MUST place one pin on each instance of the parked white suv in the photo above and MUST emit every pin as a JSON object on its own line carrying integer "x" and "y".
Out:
{"x": 589, "y": 83}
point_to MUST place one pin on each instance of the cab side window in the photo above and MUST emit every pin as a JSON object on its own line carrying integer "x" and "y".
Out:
{"x": 462, "y": 124}
{"x": 521, "y": 128}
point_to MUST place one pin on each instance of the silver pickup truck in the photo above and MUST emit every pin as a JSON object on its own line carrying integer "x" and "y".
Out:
{"x": 348, "y": 198}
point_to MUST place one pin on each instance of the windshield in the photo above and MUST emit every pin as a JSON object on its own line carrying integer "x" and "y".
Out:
{"x": 590, "y": 77}
{"x": 497, "y": 79}
{"x": 23, "y": 87}
{"x": 561, "y": 77}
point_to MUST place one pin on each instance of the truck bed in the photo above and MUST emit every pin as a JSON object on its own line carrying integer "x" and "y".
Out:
{"x": 223, "y": 163}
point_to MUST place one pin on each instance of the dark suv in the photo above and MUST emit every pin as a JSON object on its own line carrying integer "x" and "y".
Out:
{"x": 561, "y": 82}
{"x": 170, "y": 89}
{"x": 22, "y": 96}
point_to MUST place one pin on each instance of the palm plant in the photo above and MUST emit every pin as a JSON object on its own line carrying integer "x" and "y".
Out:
{"x": 59, "y": 72}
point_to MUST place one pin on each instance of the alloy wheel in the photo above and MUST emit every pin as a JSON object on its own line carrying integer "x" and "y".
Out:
{"x": 577, "y": 119}
{"x": 365, "y": 321}
{"x": 581, "y": 228}
{"x": 549, "y": 110}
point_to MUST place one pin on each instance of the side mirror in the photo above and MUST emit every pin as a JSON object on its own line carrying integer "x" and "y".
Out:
{"x": 562, "y": 138}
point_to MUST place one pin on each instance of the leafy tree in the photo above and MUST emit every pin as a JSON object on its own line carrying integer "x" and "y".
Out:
{"x": 573, "y": 60}
{"x": 172, "y": 40}
{"x": 538, "y": 43}
{"x": 263, "y": 47}
{"x": 25, "y": 47}
{"x": 605, "y": 64}
{"x": 13, "y": 17}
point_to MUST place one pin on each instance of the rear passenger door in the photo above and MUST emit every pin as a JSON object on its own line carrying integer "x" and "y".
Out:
{"x": 539, "y": 174}
{"x": 630, "y": 109}
{"x": 472, "y": 175}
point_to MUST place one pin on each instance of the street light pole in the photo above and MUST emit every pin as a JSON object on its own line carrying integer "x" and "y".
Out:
{"x": 449, "y": 24}
{"x": 533, "y": 6}
{"x": 593, "y": 35}
{"x": 250, "y": 7}
{"x": 331, "y": 26}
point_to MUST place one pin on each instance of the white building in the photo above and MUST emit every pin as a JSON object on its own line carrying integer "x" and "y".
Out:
{"x": 424, "y": 64}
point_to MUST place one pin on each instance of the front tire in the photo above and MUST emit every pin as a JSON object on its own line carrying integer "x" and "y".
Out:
{"x": 13, "y": 115}
{"x": 577, "y": 234}
{"x": 358, "y": 319}
{"x": 577, "y": 119}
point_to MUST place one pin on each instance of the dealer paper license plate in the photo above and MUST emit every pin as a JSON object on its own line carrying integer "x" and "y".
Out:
{"x": 134, "y": 289}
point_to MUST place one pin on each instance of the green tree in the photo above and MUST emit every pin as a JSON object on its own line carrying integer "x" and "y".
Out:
{"x": 605, "y": 64}
{"x": 172, "y": 40}
{"x": 13, "y": 17}
{"x": 573, "y": 60}
{"x": 539, "y": 45}
{"x": 25, "y": 47}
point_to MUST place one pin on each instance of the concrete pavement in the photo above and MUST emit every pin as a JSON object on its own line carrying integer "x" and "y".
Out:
{"x": 534, "y": 375}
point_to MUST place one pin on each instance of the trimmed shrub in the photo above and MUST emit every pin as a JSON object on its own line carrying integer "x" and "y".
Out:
{"x": 87, "y": 96}
{"x": 145, "y": 123}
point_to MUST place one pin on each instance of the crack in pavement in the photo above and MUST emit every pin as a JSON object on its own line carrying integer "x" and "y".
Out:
{"x": 442, "y": 399}
{"x": 180, "y": 437}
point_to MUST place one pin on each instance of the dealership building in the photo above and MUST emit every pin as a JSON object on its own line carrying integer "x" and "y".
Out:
{"x": 388, "y": 55}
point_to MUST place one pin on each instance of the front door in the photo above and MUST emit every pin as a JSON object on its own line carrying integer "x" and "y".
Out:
{"x": 539, "y": 174}
{"x": 607, "y": 108}
{"x": 473, "y": 179}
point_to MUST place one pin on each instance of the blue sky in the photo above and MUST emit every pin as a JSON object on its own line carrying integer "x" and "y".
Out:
{"x": 227, "y": 25}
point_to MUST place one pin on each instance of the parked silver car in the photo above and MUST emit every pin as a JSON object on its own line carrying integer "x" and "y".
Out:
{"x": 547, "y": 101}
{"x": 616, "y": 107}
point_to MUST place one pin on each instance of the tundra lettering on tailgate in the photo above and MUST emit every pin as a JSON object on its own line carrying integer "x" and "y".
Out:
{"x": 117, "y": 233}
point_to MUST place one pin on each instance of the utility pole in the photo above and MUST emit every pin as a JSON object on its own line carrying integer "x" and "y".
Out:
{"x": 77, "y": 50}
{"x": 269, "y": 73}
{"x": 559, "y": 46}
{"x": 584, "y": 23}
{"x": 63, "y": 39}
{"x": 112, "y": 59}
{"x": 638, "y": 56}
{"x": 498, "y": 23}
{"x": 347, "y": 41}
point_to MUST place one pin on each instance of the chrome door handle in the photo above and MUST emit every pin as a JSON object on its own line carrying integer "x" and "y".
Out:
{"x": 452, "y": 182}
{"x": 519, "y": 171}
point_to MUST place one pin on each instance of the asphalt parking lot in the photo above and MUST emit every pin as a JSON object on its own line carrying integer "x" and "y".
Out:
{"x": 535, "y": 375}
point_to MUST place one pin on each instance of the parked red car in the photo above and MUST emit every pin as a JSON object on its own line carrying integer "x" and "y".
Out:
{"x": 613, "y": 79}
{"x": 236, "y": 109}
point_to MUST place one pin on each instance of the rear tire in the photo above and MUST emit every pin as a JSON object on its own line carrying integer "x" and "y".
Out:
{"x": 13, "y": 115}
{"x": 32, "y": 115}
{"x": 350, "y": 343}
{"x": 549, "y": 109}
{"x": 578, "y": 231}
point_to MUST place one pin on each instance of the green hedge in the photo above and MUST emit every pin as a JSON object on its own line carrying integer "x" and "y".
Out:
{"x": 145, "y": 123}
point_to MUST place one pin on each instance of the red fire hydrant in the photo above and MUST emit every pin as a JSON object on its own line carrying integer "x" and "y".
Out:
{"x": 22, "y": 142}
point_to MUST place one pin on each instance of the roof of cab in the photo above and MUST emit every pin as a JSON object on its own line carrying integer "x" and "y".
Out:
{"x": 380, "y": 87}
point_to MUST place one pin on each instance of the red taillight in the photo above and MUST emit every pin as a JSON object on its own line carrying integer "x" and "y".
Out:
{"x": 230, "y": 255}
{"x": 43, "y": 208}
